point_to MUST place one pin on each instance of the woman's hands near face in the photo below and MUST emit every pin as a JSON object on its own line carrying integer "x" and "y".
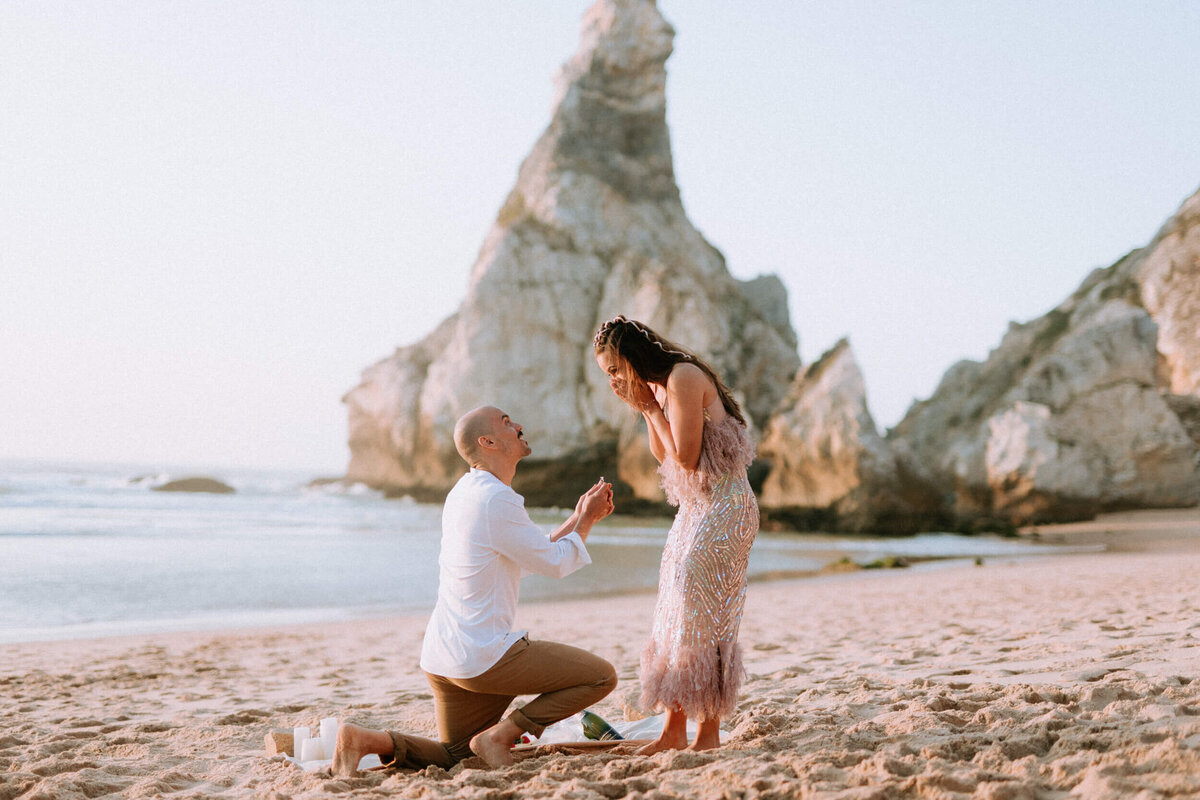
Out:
{"x": 640, "y": 395}
{"x": 626, "y": 384}
{"x": 634, "y": 392}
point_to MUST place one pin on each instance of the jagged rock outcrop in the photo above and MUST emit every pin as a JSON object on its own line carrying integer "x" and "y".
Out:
{"x": 593, "y": 227}
{"x": 829, "y": 467}
{"x": 1094, "y": 406}
{"x": 1168, "y": 282}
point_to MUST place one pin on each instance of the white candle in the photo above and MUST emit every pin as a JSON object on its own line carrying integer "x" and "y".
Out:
{"x": 312, "y": 750}
{"x": 299, "y": 735}
{"x": 329, "y": 727}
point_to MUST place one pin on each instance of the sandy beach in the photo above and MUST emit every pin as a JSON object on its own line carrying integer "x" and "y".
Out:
{"x": 1071, "y": 676}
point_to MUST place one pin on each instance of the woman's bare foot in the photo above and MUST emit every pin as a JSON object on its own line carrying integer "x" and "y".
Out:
{"x": 708, "y": 735}
{"x": 350, "y": 748}
{"x": 662, "y": 743}
{"x": 706, "y": 743}
{"x": 673, "y": 736}
{"x": 494, "y": 745}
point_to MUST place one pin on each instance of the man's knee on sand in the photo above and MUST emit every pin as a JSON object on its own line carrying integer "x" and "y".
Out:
{"x": 602, "y": 684}
{"x": 608, "y": 681}
{"x": 599, "y": 676}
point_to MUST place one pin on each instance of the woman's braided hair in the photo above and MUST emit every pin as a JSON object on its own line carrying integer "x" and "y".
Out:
{"x": 652, "y": 357}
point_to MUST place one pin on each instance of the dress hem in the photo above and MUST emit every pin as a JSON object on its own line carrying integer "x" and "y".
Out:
{"x": 702, "y": 681}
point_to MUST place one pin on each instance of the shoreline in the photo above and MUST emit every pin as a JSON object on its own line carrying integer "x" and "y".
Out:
{"x": 1121, "y": 532}
{"x": 283, "y": 619}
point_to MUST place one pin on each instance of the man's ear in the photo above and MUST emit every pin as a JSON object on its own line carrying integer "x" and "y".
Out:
{"x": 485, "y": 442}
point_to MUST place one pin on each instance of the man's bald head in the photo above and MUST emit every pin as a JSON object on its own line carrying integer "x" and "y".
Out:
{"x": 481, "y": 421}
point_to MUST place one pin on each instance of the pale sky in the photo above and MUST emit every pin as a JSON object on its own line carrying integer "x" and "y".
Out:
{"x": 214, "y": 215}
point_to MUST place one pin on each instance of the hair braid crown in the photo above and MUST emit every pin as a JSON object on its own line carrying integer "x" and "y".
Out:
{"x": 605, "y": 335}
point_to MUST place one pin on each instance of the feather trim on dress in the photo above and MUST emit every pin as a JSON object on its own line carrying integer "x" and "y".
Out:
{"x": 703, "y": 681}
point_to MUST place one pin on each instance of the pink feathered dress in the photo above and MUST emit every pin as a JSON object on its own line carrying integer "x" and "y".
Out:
{"x": 693, "y": 661}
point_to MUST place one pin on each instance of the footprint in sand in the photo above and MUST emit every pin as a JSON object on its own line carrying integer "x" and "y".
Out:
{"x": 247, "y": 717}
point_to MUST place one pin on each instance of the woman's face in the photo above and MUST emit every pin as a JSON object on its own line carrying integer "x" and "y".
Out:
{"x": 615, "y": 368}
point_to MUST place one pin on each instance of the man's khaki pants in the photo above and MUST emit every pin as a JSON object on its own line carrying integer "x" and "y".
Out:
{"x": 566, "y": 680}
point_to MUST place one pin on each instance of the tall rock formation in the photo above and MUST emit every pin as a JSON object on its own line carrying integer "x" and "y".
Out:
{"x": 829, "y": 467}
{"x": 826, "y": 456}
{"x": 593, "y": 227}
{"x": 1094, "y": 406}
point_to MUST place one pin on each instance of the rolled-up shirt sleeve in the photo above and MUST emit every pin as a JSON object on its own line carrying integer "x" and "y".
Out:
{"x": 514, "y": 535}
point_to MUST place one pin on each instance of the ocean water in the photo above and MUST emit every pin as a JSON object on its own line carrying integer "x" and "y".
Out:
{"x": 91, "y": 550}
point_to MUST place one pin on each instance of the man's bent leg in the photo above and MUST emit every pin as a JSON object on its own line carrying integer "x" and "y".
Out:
{"x": 462, "y": 713}
{"x": 566, "y": 680}
{"x": 353, "y": 743}
{"x": 393, "y": 749}
{"x": 416, "y": 752}
{"x": 573, "y": 679}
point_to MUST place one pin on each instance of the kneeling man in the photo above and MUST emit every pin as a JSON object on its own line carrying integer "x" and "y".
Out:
{"x": 474, "y": 661}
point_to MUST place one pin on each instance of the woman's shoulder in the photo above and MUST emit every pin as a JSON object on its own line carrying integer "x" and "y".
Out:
{"x": 689, "y": 379}
{"x": 686, "y": 374}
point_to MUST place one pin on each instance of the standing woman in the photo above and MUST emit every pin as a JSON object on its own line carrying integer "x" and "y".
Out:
{"x": 692, "y": 665}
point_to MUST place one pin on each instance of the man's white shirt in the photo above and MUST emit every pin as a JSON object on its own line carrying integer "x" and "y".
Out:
{"x": 488, "y": 543}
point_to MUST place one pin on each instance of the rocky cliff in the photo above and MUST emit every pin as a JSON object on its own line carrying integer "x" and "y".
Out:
{"x": 829, "y": 466}
{"x": 593, "y": 227}
{"x": 1094, "y": 406}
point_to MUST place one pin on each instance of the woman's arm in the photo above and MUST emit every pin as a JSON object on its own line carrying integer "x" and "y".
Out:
{"x": 679, "y": 438}
{"x": 648, "y": 402}
{"x": 656, "y": 446}
{"x": 639, "y": 396}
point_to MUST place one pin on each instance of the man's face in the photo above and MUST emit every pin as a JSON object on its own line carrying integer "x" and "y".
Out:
{"x": 509, "y": 437}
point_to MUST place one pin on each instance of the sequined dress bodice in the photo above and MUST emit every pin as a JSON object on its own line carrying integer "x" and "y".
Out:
{"x": 725, "y": 448}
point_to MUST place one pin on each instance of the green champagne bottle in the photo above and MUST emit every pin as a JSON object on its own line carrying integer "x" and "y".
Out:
{"x": 594, "y": 727}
